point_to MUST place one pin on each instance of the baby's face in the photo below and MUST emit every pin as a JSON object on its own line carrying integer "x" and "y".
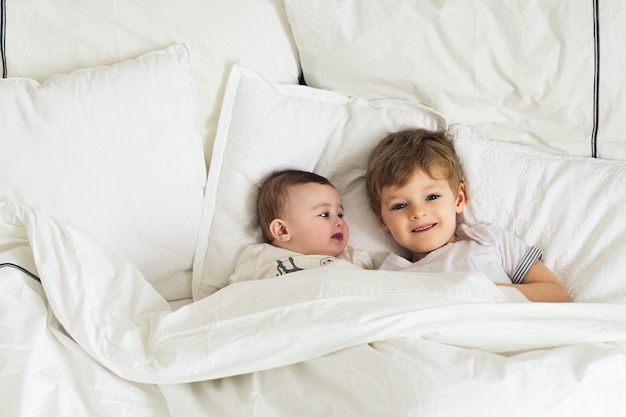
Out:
{"x": 421, "y": 215}
{"x": 314, "y": 219}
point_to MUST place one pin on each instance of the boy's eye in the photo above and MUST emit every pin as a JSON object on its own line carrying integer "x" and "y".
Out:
{"x": 341, "y": 215}
{"x": 326, "y": 214}
{"x": 398, "y": 206}
{"x": 433, "y": 197}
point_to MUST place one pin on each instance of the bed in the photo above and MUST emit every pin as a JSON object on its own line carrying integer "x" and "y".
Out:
{"x": 135, "y": 134}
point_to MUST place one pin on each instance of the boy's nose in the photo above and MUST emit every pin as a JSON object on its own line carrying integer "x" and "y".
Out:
{"x": 417, "y": 212}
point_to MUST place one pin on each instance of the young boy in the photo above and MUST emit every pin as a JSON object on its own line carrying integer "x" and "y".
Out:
{"x": 415, "y": 187}
{"x": 301, "y": 216}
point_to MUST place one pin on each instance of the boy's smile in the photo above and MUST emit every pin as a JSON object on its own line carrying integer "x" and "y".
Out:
{"x": 424, "y": 228}
{"x": 421, "y": 214}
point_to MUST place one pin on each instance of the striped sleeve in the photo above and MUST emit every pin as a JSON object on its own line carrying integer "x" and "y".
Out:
{"x": 533, "y": 254}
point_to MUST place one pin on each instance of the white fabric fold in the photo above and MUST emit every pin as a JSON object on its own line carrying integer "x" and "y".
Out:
{"x": 116, "y": 316}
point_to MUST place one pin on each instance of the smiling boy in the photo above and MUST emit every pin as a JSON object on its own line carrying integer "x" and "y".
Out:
{"x": 416, "y": 190}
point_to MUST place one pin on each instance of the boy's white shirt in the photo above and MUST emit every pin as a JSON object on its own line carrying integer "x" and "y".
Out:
{"x": 263, "y": 260}
{"x": 484, "y": 248}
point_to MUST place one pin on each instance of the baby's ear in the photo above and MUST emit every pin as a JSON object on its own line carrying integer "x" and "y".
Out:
{"x": 278, "y": 229}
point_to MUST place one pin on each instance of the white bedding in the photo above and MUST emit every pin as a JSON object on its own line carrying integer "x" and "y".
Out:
{"x": 102, "y": 336}
{"x": 336, "y": 340}
{"x": 115, "y": 151}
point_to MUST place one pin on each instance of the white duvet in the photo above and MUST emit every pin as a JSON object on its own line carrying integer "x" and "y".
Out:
{"x": 96, "y": 339}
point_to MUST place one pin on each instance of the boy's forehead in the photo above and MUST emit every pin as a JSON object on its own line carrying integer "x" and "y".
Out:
{"x": 433, "y": 172}
{"x": 419, "y": 177}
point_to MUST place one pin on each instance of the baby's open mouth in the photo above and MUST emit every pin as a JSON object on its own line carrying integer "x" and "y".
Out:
{"x": 337, "y": 236}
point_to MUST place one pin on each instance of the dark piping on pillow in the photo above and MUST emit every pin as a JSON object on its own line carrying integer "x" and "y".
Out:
{"x": 596, "y": 85}
{"x": 3, "y": 29}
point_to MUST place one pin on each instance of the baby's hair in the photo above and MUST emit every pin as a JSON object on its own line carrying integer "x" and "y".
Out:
{"x": 395, "y": 159}
{"x": 274, "y": 195}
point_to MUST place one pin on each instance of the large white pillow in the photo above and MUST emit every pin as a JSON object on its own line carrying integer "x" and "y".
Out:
{"x": 265, "y": 126}
{"x": 571, "y": 207}
{"x": 518, "y": 70}
{"x": 114, "y": 151}
{"x": 45, "y": 38}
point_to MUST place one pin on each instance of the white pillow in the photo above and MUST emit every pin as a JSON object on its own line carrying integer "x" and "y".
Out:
{"x": 44, "y": 38}
{"x": 264, "y": 127}
{"x": 114, "y": 151}
{"x": 571, "y": 207}
{"x": 512, "y": 69}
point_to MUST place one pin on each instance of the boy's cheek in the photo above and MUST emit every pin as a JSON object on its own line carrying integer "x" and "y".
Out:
{"x": 382, "y": 224}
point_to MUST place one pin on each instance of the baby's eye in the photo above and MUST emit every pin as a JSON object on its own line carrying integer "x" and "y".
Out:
{"x": 433, "y": 197}
{"x": 341, "y": 215}
{"x": 398, "y": 206}
{"x": 325, "y": 214}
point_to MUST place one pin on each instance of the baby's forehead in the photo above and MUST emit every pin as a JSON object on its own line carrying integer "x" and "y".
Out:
{"x": 309, "y": 187}
{"x": 313, "y": 192}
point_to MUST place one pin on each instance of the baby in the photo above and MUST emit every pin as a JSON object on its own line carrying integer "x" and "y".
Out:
{"x": 302, "y": 219}
{"x": 416, "y": 190}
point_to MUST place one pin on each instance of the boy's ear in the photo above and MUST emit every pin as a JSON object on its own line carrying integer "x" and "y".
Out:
{"x": 279, "y": 231}
{"x": 461, "y": 198}
{"x": 382, "y": 224}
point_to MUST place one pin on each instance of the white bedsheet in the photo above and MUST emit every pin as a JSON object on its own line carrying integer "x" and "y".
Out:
{"x": 98, "y": 340}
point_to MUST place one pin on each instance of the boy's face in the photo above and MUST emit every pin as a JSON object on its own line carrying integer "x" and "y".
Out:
{"x": 313, "y": 221}
{"x": 421, "y": 215}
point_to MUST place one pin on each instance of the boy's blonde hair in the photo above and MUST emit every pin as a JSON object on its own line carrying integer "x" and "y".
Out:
{"x": 274, "y": 195}
{"x": 395, "y": 159}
